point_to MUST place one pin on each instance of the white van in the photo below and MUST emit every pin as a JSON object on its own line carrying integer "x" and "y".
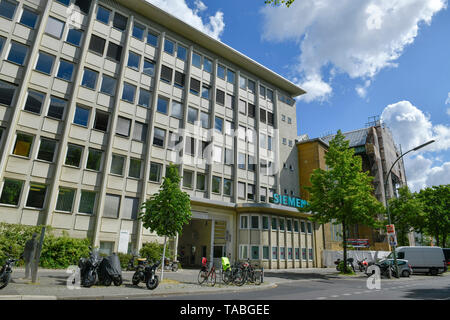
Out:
{"x": 423, "y": 259}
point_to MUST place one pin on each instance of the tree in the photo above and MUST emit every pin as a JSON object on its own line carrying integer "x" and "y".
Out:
{"x": 278, "y": 2}
{"x": 436, "y": 202}
{"x": 406, "y": 214}
{"x": 343, "y": 194}
{"x": 168, "y": 210}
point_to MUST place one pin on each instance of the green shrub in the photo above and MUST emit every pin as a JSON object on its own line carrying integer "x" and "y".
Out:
{"x": 153, "y": 251}
{"x": 124, "y": 259}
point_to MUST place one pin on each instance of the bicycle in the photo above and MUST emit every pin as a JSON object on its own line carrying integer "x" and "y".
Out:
{"x": 251, "y": 274}
{"x": 207, "y": 275}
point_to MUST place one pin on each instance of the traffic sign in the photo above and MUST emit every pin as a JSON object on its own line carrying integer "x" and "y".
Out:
{"x": 390, "y": 228}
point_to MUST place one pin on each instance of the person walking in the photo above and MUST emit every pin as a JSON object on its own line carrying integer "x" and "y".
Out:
{"x": 29, "y": 254}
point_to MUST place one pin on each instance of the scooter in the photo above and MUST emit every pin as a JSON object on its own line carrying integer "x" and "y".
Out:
{"x": 109, "y": 271}
{"x": 6, "y": 270}
{"x": 89, "y": 268}
{"x": 146, "y": 273}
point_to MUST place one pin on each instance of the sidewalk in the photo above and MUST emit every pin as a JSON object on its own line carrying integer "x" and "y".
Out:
{"x": 52, "y": 285}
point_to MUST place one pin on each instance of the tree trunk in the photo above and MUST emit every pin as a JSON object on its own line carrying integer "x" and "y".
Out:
{"x": 437, "y": 237}
{"x": 163, "y": 258}
{"x": 444, "y": 239}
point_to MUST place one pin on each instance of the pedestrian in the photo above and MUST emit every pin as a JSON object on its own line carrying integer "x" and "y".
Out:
{"x": 29, "y": 254}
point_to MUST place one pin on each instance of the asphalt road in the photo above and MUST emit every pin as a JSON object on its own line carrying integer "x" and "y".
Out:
{"x": 418, "y": 287}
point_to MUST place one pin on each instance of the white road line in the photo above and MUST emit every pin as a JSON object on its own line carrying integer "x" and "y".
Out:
{"x": 334, "y": 296}
{"x": 321, "y": 298}
{"x": 347, "y": 294}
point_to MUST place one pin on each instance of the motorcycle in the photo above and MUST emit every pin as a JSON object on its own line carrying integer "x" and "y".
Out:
{"x": 89, "y": 268}
{"x": 146, "y": 273}
{"x": 6, "y": 270}
{"x": 131, "y": 266}
{"x": 363, "y": 264}
{"x": 109, "y": 271}
{"x": 171, "y": 265}
{"x": 349, "y": 264}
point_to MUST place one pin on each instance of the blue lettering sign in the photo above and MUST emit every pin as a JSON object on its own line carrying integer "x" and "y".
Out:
{"x": 289, "y": 201}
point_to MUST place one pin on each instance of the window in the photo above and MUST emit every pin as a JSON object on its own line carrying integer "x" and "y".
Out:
{"x": 166, "y": 74}
{"x": 242, "y": 82}
{"x": 207, "y": 65}
{"x": 22, "y": 147}
{"x": 310, "y": 255}
{"x": 201, "y": 185}
{"x": 220, "y": 97}
{"x": 274, "y": 253}
{"x": 103, "y": 14}
{"x": 83, "y": 5}
{"x": 36, "y": 195}
{"x": 205, "y": 91}
{"x": 284, "y": 140}
{"x": 269, "y": 143}
{"x": 7, "y": 91}
{"x": 270, "y": 120}
{"x": 174, "y": 141}
{"x": 262, "y": 194}
{"x": 45, "y": 62}
{"x": 255, "y": 222}
{"x": 243, "y": 251}
{"x": 177, "y": 110}
{"x": 159, "y": 136}
{"x": 11, "y": 188}
{"x": 17, "y": 53}
{"x": 65, "y": 199}
{"x": 47, "y": 149}
{"x": 204, "y": 119}
{"x": 87, "y": 202}
{"x": 195, "y": 86}
{"x": 130, "y": 208}
{"x": 192, "y": 115}
{"x": 114, "y": 51}
{"x": 289, "y": 224}
{"x": 56, "y": 108}
{"x": 255, "y": 252}
{"x": 251, "y": 110}
{"x": 295, "y": 225}
{"x": 297, "y": 253}
{"x": 241, "y": 133}
{"x": 81, "y": 116}
{"x": 241, "y": 190}
{"x": 290, "y": 253}
{"x": 169, "y": 46}
{"x": 2, "y": 43}
{"x": 144, "y": 98}
{"x": 204, "y": 149}
{"x": 274, "y": 223}
{"x": 221, "y": 71}
{"x": 262, "y": 140}
{"x": 216, "y": 184}
{"x": 190, "y": 146}
{"x": 270, "y": 95}
{"x": 7, "y": 9}
{"x": 309, "y": 225}
{"x": 262, "y": 115}
{"x": 120, "y": 21}
{"x": 97, "y": 44}
{"x": 281, "y": 224}
{"x": 140, "y": 131}
{"x": 28, "y": 18}
{"x": 162, "y": 105}
{"x": 138, "y": 31}
{"x": 244, "y": 222}
{"x": 181, "y": 52}
{"x": 94, "y": 159}
{"x": 34, "y": 101}
{"x": 112, "y": 205}
{"x": 265, "y": 250}
{"x": 65, "y": 70}
{"x": 262, "y": 91}
{"x": 250, "y": 191}
{"x": 251, "y": 85}
{"x": 229, "y": 128}
{"x": 218, "y": 124}
{"x": 152, "y": 39}
{"x": 101, "y": 121}
{"x": 179, "y": 80}
{"x": 228, "y": 157}
{"x": 230, "y": 76}
{"x": 54, "y": 27}
{"x": 123, "y": 126}
{"x": 227, "y": 187}
{"x": 133, "y": 60}
{"x": 135, "y": 168}
{"x": 187, "y": 178}
{"x": 155, "y": 172}
{"x": 74, "y": 36}
{"x": 196, "y": 60}
{"x": 282, "y": 253}
{"x": 302, "y": 225}
{"x": 89, "y": 79}
{"x": 265, "y": 223}
{"x": 242, "y": 107}
{"x": 303, "y": 253}
{"x": 289, "y": 120}
{"x": 217, "y": 154}
{"x": 149, "y": 67}
{"x": 117, "y": 163}
{"x": 128, "y": 92}
{"x": 241, "y": 161}
{"x": 108, "y": 85}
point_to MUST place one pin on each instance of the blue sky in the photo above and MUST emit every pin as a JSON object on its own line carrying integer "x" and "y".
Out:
{"x": 356, "y": 59}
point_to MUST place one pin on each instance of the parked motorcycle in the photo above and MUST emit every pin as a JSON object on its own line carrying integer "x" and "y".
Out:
{"x": 131, "y": 266}
{"x": 349, "y": 264}
{"x": 146, "y": 273}
{"x": 6, "y": 270}
{"x": 170, "y": 265}
{"x": 109, "y": 271}
{"x": 89, "y": 268}
{"x": 363, "y": 264}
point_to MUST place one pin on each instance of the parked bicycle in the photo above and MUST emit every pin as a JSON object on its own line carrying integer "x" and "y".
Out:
{"x": 250, "y": 273}
{"x": 232, "y": 274}
{"x": 207, "y": 275}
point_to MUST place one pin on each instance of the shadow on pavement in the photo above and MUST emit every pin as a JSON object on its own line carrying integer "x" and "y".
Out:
{"x": 300, "y": 276}
{"x": 422, "y": 294}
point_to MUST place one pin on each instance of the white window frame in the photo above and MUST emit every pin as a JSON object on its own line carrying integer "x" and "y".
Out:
{"x": 240, "y": 221}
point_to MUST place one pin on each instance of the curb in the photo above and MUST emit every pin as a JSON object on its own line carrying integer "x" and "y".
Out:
{"x": 28, "y": 297}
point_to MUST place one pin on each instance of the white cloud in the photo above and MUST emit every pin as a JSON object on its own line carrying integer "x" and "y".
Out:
{"x": 411, "y": 127}
{"x": 316, "y": 88}
{"x": 181, "y": 10}
{"x": 356, "y": 37}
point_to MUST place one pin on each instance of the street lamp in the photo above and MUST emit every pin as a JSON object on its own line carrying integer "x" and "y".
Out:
{"x": 386, "y": 198}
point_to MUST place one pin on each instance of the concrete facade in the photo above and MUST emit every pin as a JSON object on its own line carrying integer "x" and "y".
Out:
{"x": 99, "y": 96}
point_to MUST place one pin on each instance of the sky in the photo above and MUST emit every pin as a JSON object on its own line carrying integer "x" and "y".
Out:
{"x": 356, "y": 59}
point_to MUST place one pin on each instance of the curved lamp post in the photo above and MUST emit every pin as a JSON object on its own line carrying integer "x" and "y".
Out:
{"x": 386, "y": 198}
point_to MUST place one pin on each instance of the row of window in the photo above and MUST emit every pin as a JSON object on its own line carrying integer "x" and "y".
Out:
{"x": 256, "y": 252}
{"x": 264, "y": 223}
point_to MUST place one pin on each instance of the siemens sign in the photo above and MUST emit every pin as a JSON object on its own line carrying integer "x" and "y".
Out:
{"x": 289, "y": 201}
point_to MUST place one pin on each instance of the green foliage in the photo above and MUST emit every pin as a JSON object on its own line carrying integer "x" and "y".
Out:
{"x": 124, "y": 259}
{"x": 436, "y": 219}
{"x": 168, "y": 210}
{"x": 343, "y": 193}
{"x": 348, "y": 269}
{"x": 153, "y": 251}
{"x": 406, "y": 213}
{"x": 279, "y": 2}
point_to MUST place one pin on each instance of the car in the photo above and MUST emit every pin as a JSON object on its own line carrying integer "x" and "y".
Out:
{"x": 423, "y": 259}
{"x": 404, "y": 268}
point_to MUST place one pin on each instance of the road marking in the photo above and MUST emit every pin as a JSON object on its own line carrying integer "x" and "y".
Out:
{"x": 347, "y": 294}
{"x": 334, "y": 296}
{"x": 321, "y": 298}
